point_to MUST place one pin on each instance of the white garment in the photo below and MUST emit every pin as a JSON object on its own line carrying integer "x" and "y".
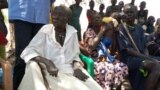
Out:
{"x": 44, "y": 44}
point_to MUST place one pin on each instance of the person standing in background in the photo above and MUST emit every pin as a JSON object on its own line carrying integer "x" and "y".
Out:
{"x": 28, "y": 16}
{"x": 90, "y": 13}
{"x": 142, "y": 13}
{"x": 112, "y": 8}
{"x": 3, "y": 29}
{"x": 101, "y": 8}
{"x": 150, "y": 24}
{"x": 121, "y": 5}
{"x": 76, "y": 12}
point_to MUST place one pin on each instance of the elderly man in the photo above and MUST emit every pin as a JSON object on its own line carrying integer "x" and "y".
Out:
{"x": 52, "y": 58}
{"x": 132, "y": 46}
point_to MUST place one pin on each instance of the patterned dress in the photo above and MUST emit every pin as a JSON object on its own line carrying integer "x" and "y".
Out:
{"x": 106, "y": 74}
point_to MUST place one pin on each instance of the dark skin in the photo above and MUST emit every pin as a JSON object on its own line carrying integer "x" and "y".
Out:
{"x": 91, "y": 5}
{"x": 60, "y": 19}
{"x": 78, "y": 2}
{"x": 151, "y": 20}
{"x": 113, "y": 2}
{"x": 121, "y": 4}
{"x": 99, "y": 29}
{"x": 149, "y": 64}
{"x": 101, "y": 8}
{"x": 91, "y": 11}
{"x": 142, "y": 13}
{"x": 132, "y": 2}
{"x": 113, "y": 8}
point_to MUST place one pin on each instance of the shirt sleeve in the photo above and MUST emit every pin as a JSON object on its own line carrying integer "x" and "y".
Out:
{"x": 35, "y": 47}
{"x": 76, "y": 48}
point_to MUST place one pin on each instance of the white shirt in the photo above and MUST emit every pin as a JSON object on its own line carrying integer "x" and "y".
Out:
{"x": 44, "y": 44}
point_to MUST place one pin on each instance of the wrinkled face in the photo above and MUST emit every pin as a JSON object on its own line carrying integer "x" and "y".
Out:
{"x": 60, "y": 19}
{"x": 97, "y": 20}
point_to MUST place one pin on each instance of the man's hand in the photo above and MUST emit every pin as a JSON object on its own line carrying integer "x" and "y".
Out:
{"x": 50, "y": 66}
{"x": 52, "y": 69}
{"x": 80, "y": 75}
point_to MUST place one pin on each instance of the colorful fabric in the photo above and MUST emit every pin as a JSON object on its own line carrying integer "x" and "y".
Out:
{"x": 103, "y": 50}
{"x": 90, "y": 35}
{"x": 90, "y": 14}
{"x": 2, "y": 51}
{"x": 108, "y": 74}
{"x": 3, "y": 40}
{"x": 90, "y": 63}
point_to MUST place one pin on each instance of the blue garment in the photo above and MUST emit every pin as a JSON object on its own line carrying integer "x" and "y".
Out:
{"x": 33, "y": 11}
{"x": 103, "y": 49}
{"x": 136, "y": 78}
{"x": 150, "y": 29}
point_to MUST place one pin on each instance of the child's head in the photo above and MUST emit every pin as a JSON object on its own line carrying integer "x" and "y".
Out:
{"x": 121, "y": 4}
{"x": 151, "y": 20}
{"x": 97, "y": 20}
{"x": 78, "y": 1}
{"x": 101, "y": 7}
{"x": 91, "y": 4}
{"x": 142, "y": 5}
{"x": 158, "y": 22}
{"x": 113, "y": 2}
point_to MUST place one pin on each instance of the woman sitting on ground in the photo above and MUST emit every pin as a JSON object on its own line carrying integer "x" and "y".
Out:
{"x": 107, "y": 74}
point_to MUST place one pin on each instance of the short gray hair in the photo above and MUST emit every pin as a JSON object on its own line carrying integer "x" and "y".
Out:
{"x": 67, "y": 11}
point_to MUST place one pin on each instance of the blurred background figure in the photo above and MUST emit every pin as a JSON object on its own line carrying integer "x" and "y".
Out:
{"x": 150, "y": 24}
{"x": 112, "y": 8}
{"x": 101, "y": 8}
{"x": 121, "y": 5}
{"x": 3, "y": 30}
{"x": 76, "y": 12}
{"x": 142, "y": 13}
{"x": 90, "y": 13}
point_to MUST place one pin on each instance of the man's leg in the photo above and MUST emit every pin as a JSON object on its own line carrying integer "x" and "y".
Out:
{"x": 36, "y": 28}
{"x": 135, "y": 76}
{"x": 153, "y": 68}
{"x": 22, "y": 38}
{"x": 33, "y": 79}
{"x": 24, "y": 32}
